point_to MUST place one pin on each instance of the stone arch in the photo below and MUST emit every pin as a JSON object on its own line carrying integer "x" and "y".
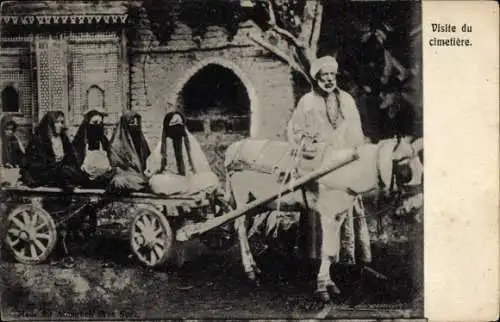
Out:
{"x": 255, "y": 121}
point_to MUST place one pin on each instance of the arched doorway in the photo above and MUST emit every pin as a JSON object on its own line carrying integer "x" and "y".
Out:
{"x": 95, "y": 98}
{"x": 217, "y": 106}
{"x": 10, "y": 100}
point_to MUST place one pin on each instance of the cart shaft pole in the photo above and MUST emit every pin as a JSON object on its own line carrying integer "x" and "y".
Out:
{"x": 192, "y": 230}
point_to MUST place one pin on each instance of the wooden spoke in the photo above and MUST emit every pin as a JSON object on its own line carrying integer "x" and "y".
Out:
{"x": 158, "y": 232}
{"x": 135, "y": 245}
{"x": 26, "y": 219}
{"x": 140, "y": 224}
{"x": 153, "y": 257}
{"x": 18, "y": 223}
{"x": 146, "y": 221}
{"x": 33, "y": 250}
{"x": 158, "y": 241}
{"x": 37, "y": 228}
{"x": 39, "y": 245}
{"x": 14, "y": 231}
{"x": 155, "y": 225}
{"x": 42, "y": 236}
{"x": 34, "y": 220}
{"x": 158, "y": 248}
{"x": 11, "y": 242}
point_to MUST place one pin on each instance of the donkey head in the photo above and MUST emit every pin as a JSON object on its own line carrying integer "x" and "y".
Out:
{"x": 408, "y": 169}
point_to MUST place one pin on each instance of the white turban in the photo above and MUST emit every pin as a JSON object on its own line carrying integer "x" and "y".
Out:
{"x": 323, "y": 62}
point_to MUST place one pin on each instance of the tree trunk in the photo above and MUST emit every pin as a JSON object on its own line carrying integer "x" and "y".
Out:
{"x": 299, "y": 51}
{"x": 311, "y": 26}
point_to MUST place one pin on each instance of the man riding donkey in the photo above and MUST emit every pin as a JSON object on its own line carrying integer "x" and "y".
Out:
{"x": 328, "y": 115}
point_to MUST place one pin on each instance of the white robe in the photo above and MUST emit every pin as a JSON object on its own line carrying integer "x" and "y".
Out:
{"x": 311, "y": 118}
{"x": 167, "y": 181}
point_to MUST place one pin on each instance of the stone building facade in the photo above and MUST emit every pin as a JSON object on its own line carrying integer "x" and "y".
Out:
{"x": 67, "y": 56}
{"x": 74, "y": 55}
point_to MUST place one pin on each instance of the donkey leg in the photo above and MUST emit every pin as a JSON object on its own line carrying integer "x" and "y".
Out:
{"x": 324, "y": 281}
{"x": 239, "y": 197}
{"x": 248, "y": 262}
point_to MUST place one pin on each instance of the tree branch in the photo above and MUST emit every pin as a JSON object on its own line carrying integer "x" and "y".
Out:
{"x": 302, "y": 50}
{"x": 316, "y": 28}
{"x": 308, "y": 52}
{"x": 285, "y": 33}
{"x": 280, "y": 53}
{"x": 391, "y": 61}
{"x": 288, "y": 35}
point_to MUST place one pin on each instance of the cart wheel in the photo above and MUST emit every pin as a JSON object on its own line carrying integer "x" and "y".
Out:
{"x": 221, "y": 238}
{"x": 31, "y": 234}
{"x": 151, "y": 237}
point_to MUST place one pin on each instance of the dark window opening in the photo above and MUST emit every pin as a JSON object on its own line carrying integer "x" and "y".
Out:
{"x": 215, "y": 100}
{"x": 10, "y": 100}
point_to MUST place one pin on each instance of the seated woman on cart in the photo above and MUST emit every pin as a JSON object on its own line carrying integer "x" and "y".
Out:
{"x": 92, "y": 150}
{"x": 12, "y": 151}
{"x": 50, "y": 158}
{"x": 178, "y": 165}
{"x": 12, "y": 148}
{"x": 129, "y": 151}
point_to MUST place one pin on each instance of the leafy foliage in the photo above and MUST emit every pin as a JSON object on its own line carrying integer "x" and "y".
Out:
{"x": 160, "y": 13}
{"x": 199, "y": 15}
{"x": 196, "y": 14}
{"x": 289, "y": 14}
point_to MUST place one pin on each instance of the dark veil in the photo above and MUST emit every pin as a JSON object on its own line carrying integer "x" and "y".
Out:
{"x": 128, "y": 146}
{"x": 178, "y": 134}
{"x": 91, "y": 135}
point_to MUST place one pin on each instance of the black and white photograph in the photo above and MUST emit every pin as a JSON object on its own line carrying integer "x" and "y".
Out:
{"x": 211, "y": 159}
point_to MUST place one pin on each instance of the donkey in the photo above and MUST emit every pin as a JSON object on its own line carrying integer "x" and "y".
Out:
{"x": 258, "y": 168}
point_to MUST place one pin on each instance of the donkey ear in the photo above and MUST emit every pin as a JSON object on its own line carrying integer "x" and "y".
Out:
{"x": 397, "y": 138}
{"x": 418, "y": 144}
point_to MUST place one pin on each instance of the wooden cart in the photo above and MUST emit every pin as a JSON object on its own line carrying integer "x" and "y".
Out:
{"x": 32, "y": 231}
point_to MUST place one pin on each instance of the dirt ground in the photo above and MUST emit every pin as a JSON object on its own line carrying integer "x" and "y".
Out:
{"x": 109, "y": 283}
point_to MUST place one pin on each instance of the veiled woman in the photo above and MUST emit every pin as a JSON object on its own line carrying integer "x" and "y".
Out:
{"x": 129, "y": 151}
{"x": 50, "y": 157}
{"x": 178, "y": 165}
{"x": 12, "y": 149}
{"x": 92, "y": 150}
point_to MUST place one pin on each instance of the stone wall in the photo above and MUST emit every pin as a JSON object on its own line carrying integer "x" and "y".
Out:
{"x": 158, "y": 73}
{"x": 165, "y": 74}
